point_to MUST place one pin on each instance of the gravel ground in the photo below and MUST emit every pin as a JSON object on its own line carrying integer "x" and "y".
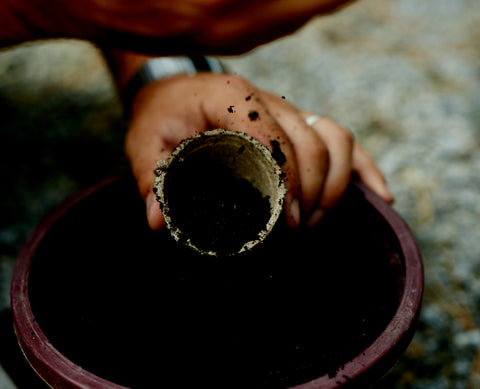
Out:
{"x": 403, "y": 75}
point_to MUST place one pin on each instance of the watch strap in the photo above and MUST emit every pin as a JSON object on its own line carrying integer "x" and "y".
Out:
{"x": 163, "y": 67}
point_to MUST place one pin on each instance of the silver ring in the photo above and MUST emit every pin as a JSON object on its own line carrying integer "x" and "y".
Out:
{"x": 312, "y": 119}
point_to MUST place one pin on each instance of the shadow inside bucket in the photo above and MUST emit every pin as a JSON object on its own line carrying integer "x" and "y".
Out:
{"x": 131, "y": 306}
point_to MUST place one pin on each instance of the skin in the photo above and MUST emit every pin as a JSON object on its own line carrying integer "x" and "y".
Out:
{"x": 320, "y": 158}
{"x": 161, "y": 26}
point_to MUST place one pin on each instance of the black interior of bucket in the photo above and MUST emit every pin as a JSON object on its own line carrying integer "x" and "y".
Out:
{"x": 131, "y": 306}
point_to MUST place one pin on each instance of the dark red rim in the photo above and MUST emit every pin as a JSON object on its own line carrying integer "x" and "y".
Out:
{"x": 362, "y": 371}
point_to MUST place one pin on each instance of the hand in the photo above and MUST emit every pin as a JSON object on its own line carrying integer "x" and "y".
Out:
{"x": 161, "y": 26}
{"x": 319, "y": 159}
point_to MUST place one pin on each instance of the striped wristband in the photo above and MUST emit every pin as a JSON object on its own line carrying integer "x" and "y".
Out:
{"x": 163, "y": 67}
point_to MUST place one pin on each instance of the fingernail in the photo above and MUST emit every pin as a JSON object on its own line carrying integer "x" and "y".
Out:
{"x": 295, "y": 212}
{"x": 315, "y": 217}
{"x": 389, "y": 196}
{"x": 149, "y": 203}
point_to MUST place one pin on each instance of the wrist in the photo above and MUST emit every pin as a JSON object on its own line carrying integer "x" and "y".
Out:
{"x": 154, "y": 69}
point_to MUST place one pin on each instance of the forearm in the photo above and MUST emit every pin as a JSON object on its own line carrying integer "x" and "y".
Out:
{"x": 27, "y": 20}
{"x": 14, "y": 27}
{"x": 159, "y": 27}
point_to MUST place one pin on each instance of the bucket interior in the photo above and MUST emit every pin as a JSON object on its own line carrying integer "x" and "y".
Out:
{"x": 133, "y": 307}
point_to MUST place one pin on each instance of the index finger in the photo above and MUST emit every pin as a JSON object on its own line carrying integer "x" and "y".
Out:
{"x": 241, "y": 108}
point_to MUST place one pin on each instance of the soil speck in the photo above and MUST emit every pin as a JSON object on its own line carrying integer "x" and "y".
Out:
{"x": 253, "y": 115}
{"x": 277, "y": 153}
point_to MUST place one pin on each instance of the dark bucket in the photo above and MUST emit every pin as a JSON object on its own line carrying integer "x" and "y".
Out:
{"x": 100, "y": 301}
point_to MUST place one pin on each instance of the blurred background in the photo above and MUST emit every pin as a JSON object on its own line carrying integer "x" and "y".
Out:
{"x": 403, "y": 75}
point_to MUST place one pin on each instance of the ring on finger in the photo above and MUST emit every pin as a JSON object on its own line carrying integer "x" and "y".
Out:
{"x": 312, "y": 119}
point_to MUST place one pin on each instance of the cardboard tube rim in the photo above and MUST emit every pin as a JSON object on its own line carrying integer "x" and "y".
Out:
{"x": 276, "y": 202}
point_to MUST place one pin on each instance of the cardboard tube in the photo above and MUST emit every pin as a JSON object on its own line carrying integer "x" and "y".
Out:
{"x": 221, "y": 192}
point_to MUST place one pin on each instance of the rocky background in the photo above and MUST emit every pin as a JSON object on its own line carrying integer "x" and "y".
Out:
{"x": 403, "y": 75}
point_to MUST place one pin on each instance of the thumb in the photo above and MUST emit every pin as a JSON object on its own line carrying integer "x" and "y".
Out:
{"x": 143, "y": 151}
{"x": 154, "y": 213}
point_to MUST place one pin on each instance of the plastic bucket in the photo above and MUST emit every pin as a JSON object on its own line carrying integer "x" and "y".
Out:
{"x": 100, "y": 301}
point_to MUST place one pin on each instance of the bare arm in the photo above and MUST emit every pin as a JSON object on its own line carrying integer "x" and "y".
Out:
{"x": 160, "y": 27}
{"x": 14, "y": 28}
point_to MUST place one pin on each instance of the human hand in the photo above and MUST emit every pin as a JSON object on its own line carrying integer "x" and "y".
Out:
{"x": 318, "y": 159}
{"x": 162, "y": 27}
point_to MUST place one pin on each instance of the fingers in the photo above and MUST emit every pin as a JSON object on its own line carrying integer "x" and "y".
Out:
{"x": 241, "y": 107}
{"x": 157, "y": 126}
{"x": 142, "y": 148}
{"x": 339, "y": 143}
{"x": 346, "y": 157}
{"x": 318, "y": 158}
{"x": 310, "y": 152}
{"x": 369, "y": 174}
